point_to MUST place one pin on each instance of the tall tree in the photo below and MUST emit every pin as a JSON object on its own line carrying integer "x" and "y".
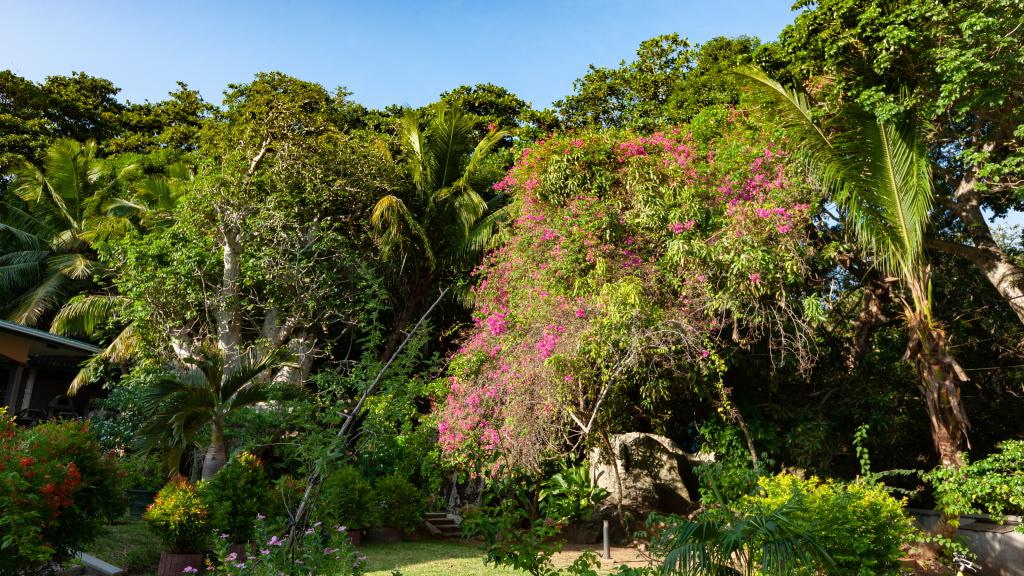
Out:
{"x": 879, "y": 174}
{"x": 445, "y": 222}
{"x": 957, "y": 64}
{"x": 203, "y": 393}
{"x": 47, "y": 231}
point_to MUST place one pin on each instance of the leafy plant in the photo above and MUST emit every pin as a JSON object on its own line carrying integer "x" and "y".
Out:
{"x": 57, "y": 492}
{"x": 992, "y": 485}
{"x": 858, "y": 525}
{"x": 235, "y": 495}
{"x": 399, "y": 503}
{"x": 571, "y": 494}
{"x": 179, "y": 517}
{"x": 724, "y": 542}
{"x": 322, "y": 550}
{"x": 347, "y": 499}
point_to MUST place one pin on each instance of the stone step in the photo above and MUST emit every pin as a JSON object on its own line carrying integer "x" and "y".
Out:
{"x": 94, "y": 565}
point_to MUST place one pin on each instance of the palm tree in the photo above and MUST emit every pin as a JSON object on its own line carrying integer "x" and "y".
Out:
{"x": 880, "y": 177}
{"x": 149, "y": 208}
{"x": 445, "y": 222}
{"x": 46, "y": 237}
{"x": 205, "y": 392}
{"x": 721, "y": 542}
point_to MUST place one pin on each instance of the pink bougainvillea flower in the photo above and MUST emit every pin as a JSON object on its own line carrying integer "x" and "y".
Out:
{"x": 755, "y": 277}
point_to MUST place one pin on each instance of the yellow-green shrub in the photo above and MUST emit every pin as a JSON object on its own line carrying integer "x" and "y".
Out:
{"x": 858, "y": 524}
{"x": 179, "y": 517}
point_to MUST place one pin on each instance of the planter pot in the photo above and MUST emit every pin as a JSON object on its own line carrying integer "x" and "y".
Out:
{"x": 385, "y": 535}
{"x": 239, "y": 549}
{"x": 138, "y": 501}
{"x": 172, "y": 564}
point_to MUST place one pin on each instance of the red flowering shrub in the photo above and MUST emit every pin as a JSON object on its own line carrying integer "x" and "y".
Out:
{"x": 57, "y": 492}
{"x": 634, "y": 262}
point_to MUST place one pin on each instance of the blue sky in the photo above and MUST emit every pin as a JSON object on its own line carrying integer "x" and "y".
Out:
{"x": 386, "y": 52}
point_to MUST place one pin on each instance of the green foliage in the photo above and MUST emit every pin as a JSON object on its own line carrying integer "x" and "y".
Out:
{"x": 669, "y": 82}
{"x": 398, "y": 503}
{"x": 859, "y": 525}
{"x": 235, "y": 495}
{"x": 731, "y": 474}
{"x": 57, "y": 492}
{"x": 320, "y": 551}
{"x": 347, "y": 499}
{"x": 571, "y": 495}
{"x": 179, "y": 517}
{"x": 993, "y": 485}
{"x": 143, "y": 472}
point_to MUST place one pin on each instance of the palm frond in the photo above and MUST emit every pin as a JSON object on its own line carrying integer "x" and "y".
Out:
{"x": 85, "y": 313}
{"x": 242, "y": 384}
{"x": 41, "y": 299}
{"x": 74, "y": 266}
{"x": 121, "y": 349}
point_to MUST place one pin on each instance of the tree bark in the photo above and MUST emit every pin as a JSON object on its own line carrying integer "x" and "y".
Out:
{"x": 217, "y": 453}
{"x": 993, "y": 262}
{"x": 940, "y": 375}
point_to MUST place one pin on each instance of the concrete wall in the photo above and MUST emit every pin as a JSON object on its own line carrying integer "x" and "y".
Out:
{"x": 1000, "y": 548}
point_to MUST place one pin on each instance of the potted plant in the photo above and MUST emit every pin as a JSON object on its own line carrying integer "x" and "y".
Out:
{"x": 143, "y": 476}
{"x": 571, "y": 497}
{"x": 347, "y": 499}
{"x": 236, "y": 495}
{"x": 180, "y": 519}
{"x": 400, "y": 507}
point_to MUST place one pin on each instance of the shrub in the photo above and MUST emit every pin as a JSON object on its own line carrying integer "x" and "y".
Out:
{"x": 859, "y": 525}
{"x": 179, "y": 517}
{"x": 570, "y": 495}
{"x": 143, "y": 472}
{"x": 57, "y": 492}
{"x": 347, "y": 499}
{"x": 399, "y": 503}
{"x": 236, "y": 494}
{"x": 994, "y": 485}
{"x": 322, "y": 550}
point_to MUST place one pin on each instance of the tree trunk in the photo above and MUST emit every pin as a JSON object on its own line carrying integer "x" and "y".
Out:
{"x": 1000, "y": 270}
{"x": 229, "y": 326}
{"x": 408, "y": 310}
{"x": 940, "y": 375}
{"x": 217, "y": 452}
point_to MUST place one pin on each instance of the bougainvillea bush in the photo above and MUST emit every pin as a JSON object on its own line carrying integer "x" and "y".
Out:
{"x": 633, "y": 266}
{"x": 57, "y": 492}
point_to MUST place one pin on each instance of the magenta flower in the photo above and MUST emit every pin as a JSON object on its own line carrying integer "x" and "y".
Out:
{"x": 189, "y": 570}
{"x": 231, "y": 557}
{"x": 755, "y": 277}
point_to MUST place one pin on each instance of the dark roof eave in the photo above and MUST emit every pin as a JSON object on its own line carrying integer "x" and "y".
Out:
{"x": 6, "y": 326}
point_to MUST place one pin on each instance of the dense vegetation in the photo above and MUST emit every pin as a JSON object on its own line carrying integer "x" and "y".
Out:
{"x": 761, "y": 250}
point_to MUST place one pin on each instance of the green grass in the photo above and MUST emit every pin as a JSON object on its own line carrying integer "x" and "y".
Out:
{"x": 129, "y": 546}
{"x": 428, "y": 559}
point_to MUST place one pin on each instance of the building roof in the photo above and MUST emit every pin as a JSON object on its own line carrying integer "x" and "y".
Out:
{"x": 48, "y": 338}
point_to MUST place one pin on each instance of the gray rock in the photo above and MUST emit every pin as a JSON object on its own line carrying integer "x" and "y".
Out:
{"x": 654, "y": 473}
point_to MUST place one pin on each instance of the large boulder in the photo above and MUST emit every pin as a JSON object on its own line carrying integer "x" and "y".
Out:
{"x": 655, "y": 475}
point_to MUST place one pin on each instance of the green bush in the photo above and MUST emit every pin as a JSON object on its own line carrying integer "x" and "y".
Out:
{"x": 347, "y": 499}
{"x": 994, "y": 485}
{"x": 859, "y": 525}
{"x": 143, "y": 472}
{"x": 236, "y": 494}
{"x": 399, "y": 503}
{"x": 179, "y": 517}
{"x": 57, "y": 492}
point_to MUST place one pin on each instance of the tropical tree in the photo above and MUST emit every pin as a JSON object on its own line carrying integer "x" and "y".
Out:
{"x": 204, "y": 392}
{"x": 47, "y": 237}
{"x": 723, "y": 542}
{"x": 445, "y": 222}
{"x": 879, "y": 175}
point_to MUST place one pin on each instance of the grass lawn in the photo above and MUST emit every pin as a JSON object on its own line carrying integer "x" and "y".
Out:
{"x": 129, "y": 546}
{"x": 428, "y": 559}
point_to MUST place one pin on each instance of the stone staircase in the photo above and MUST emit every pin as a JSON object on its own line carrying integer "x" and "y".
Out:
{"x": 442, "y": 524}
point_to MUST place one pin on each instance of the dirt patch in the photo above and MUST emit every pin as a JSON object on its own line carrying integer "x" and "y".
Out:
{"x": 621, "y": 556}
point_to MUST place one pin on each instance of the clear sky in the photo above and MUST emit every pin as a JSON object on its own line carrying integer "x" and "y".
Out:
{"x": 385, "y": 51}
